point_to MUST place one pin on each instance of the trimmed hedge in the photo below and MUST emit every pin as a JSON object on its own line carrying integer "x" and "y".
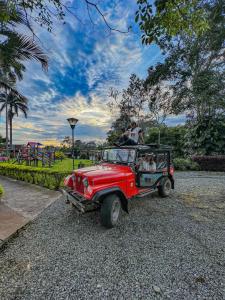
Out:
{"x": 40, "y": 176}
{"x": 1, "y": 191}
{"x": 210, "y": 163}
{"x": 185, "y": 164}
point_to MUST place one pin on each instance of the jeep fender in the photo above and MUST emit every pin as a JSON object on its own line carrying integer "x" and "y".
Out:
{"x": 99, "y": 196}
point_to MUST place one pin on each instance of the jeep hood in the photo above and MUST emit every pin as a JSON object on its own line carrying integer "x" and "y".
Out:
{"x": 104, "y": 173}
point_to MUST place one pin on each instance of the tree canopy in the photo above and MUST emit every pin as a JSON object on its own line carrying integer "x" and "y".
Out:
{"x": 191, "y": 78}
{"x": 194, "y": 69}
{"x": 164, "y": 19}
{"x": 46, "y": 12}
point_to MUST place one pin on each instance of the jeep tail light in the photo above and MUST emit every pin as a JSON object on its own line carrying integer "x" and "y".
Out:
{"x": 172, "y": 171}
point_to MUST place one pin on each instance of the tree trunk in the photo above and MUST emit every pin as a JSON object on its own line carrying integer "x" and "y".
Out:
{"x": 10, "y": 131}
{"x": 6, "y": 130}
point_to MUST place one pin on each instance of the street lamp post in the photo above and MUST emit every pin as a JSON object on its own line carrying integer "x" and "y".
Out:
{"x": 72, "y": 122}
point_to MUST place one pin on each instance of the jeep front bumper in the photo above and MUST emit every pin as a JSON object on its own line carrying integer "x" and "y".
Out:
{"x": 79, "y": 202}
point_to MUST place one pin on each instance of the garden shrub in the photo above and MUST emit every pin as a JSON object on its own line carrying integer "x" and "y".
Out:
{"x": 185, "y": 164}
{"x": 59, "y": 155}
{"x": 210, "y": 163}
{"x": 40, "y": 176}
{"x": 1, "y": 191}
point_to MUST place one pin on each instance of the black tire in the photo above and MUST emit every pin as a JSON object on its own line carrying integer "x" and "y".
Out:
{"x": 164, "y": 188}
{"x": 110, "y": 210}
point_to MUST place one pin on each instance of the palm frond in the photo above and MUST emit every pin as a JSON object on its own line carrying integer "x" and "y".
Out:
{"x": 2, "y": 107}
{"x": 18, "y": 48}
{"x": 6, "y": 86}
{"x": 27, "y": 49}
{"x": 16, "y": 103}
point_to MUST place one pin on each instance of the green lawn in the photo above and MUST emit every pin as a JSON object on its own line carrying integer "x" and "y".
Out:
{"x": 64, "y": 165}
{"x": 67, "y": 164}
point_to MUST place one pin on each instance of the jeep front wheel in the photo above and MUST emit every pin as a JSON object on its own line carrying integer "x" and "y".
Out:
{"x": 110, "y": 210}
{"x": 165, "y": 187}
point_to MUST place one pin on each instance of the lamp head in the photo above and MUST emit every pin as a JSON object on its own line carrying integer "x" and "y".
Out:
{"x": 72, "y": 122}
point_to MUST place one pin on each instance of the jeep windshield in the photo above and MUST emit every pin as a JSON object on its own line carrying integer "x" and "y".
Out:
{"x": 119, "y": 155}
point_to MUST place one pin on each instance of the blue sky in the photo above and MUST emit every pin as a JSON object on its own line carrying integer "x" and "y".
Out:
{"x": 85, "y": 60}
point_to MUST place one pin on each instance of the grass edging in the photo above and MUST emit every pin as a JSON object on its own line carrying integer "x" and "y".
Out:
{"x": 1, "y": 191}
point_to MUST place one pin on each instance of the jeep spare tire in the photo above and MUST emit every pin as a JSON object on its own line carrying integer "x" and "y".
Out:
{"x": 165, "y": 187}
{"x": 110, "y": 210}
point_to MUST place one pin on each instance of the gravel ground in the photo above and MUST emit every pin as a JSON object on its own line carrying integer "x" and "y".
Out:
{"x": 170, "y": 248}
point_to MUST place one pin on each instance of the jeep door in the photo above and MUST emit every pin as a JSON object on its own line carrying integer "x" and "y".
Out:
{"x": 151, "y": 178}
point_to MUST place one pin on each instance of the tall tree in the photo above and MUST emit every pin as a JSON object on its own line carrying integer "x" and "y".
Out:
{"x": 12, "y": 104}
{"x": 194, "y": 71}
{"x": 118, "y": 127}
{"x": 16, "y": 105}
{"x": 15, "y": 49}
{"x": 132, "y": 101}
{"x": 173, "y": 136}
{"x": 66, "y": 142}
{"x": 194, "y": 67}
{"x": 146, "y": 103}
{"x": 205, "y": 136}
{"x": 159, "y": 105}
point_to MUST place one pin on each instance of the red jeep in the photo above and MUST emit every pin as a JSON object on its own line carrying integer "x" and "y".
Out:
{"x": 109, "y": 185}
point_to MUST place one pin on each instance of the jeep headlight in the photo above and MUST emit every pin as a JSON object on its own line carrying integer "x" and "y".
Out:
{"x": 85, "y": 182}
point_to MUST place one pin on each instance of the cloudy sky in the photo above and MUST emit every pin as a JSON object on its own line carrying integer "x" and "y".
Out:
{"x": 85, "y": 60}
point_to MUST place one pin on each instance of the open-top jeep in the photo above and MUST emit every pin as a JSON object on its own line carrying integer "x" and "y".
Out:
{"x": 110, "y": 185}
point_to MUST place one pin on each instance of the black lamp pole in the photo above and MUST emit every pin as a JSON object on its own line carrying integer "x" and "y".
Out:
{"x": 72, "y": 122}
{"x": 73, "y": 143}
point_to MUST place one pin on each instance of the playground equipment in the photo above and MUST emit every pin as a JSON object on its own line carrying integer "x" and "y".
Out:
{"x": 34, "y": 152}
{"x": 3, "y": 156}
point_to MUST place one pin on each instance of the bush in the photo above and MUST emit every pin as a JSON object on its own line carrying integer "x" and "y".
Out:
{"x": 205, "y": 136}
{"x": 173, "y": 136}
{"x": 210, "y": 163}
{"x": 59, "y": 155}
{"x": 185, "y": 164}
{"x": 1, "y": 191}
{"x": 40, "y": 176}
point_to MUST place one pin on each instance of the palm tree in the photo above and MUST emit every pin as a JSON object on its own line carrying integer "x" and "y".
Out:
{"x": 16, "y": 47}
{"x": 12, "y": 104}
{"x": 16, "y": 104}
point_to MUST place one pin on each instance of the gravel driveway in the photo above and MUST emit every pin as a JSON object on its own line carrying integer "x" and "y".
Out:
{"x": 170, "y": 248}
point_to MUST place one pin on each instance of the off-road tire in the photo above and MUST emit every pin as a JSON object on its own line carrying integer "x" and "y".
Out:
{"x": 165, "y": 186}
{"x": 110, "y": 210}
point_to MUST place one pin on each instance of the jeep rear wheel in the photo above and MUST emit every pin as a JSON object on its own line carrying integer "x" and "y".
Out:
{"x": 165, "y": 187}
{"x": 110, "y": 210}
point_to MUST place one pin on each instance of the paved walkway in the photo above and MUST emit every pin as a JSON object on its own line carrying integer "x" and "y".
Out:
{"x": 21, "y": 203}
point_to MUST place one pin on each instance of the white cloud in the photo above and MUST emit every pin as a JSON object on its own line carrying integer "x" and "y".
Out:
{"x": 109, "y": 64}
